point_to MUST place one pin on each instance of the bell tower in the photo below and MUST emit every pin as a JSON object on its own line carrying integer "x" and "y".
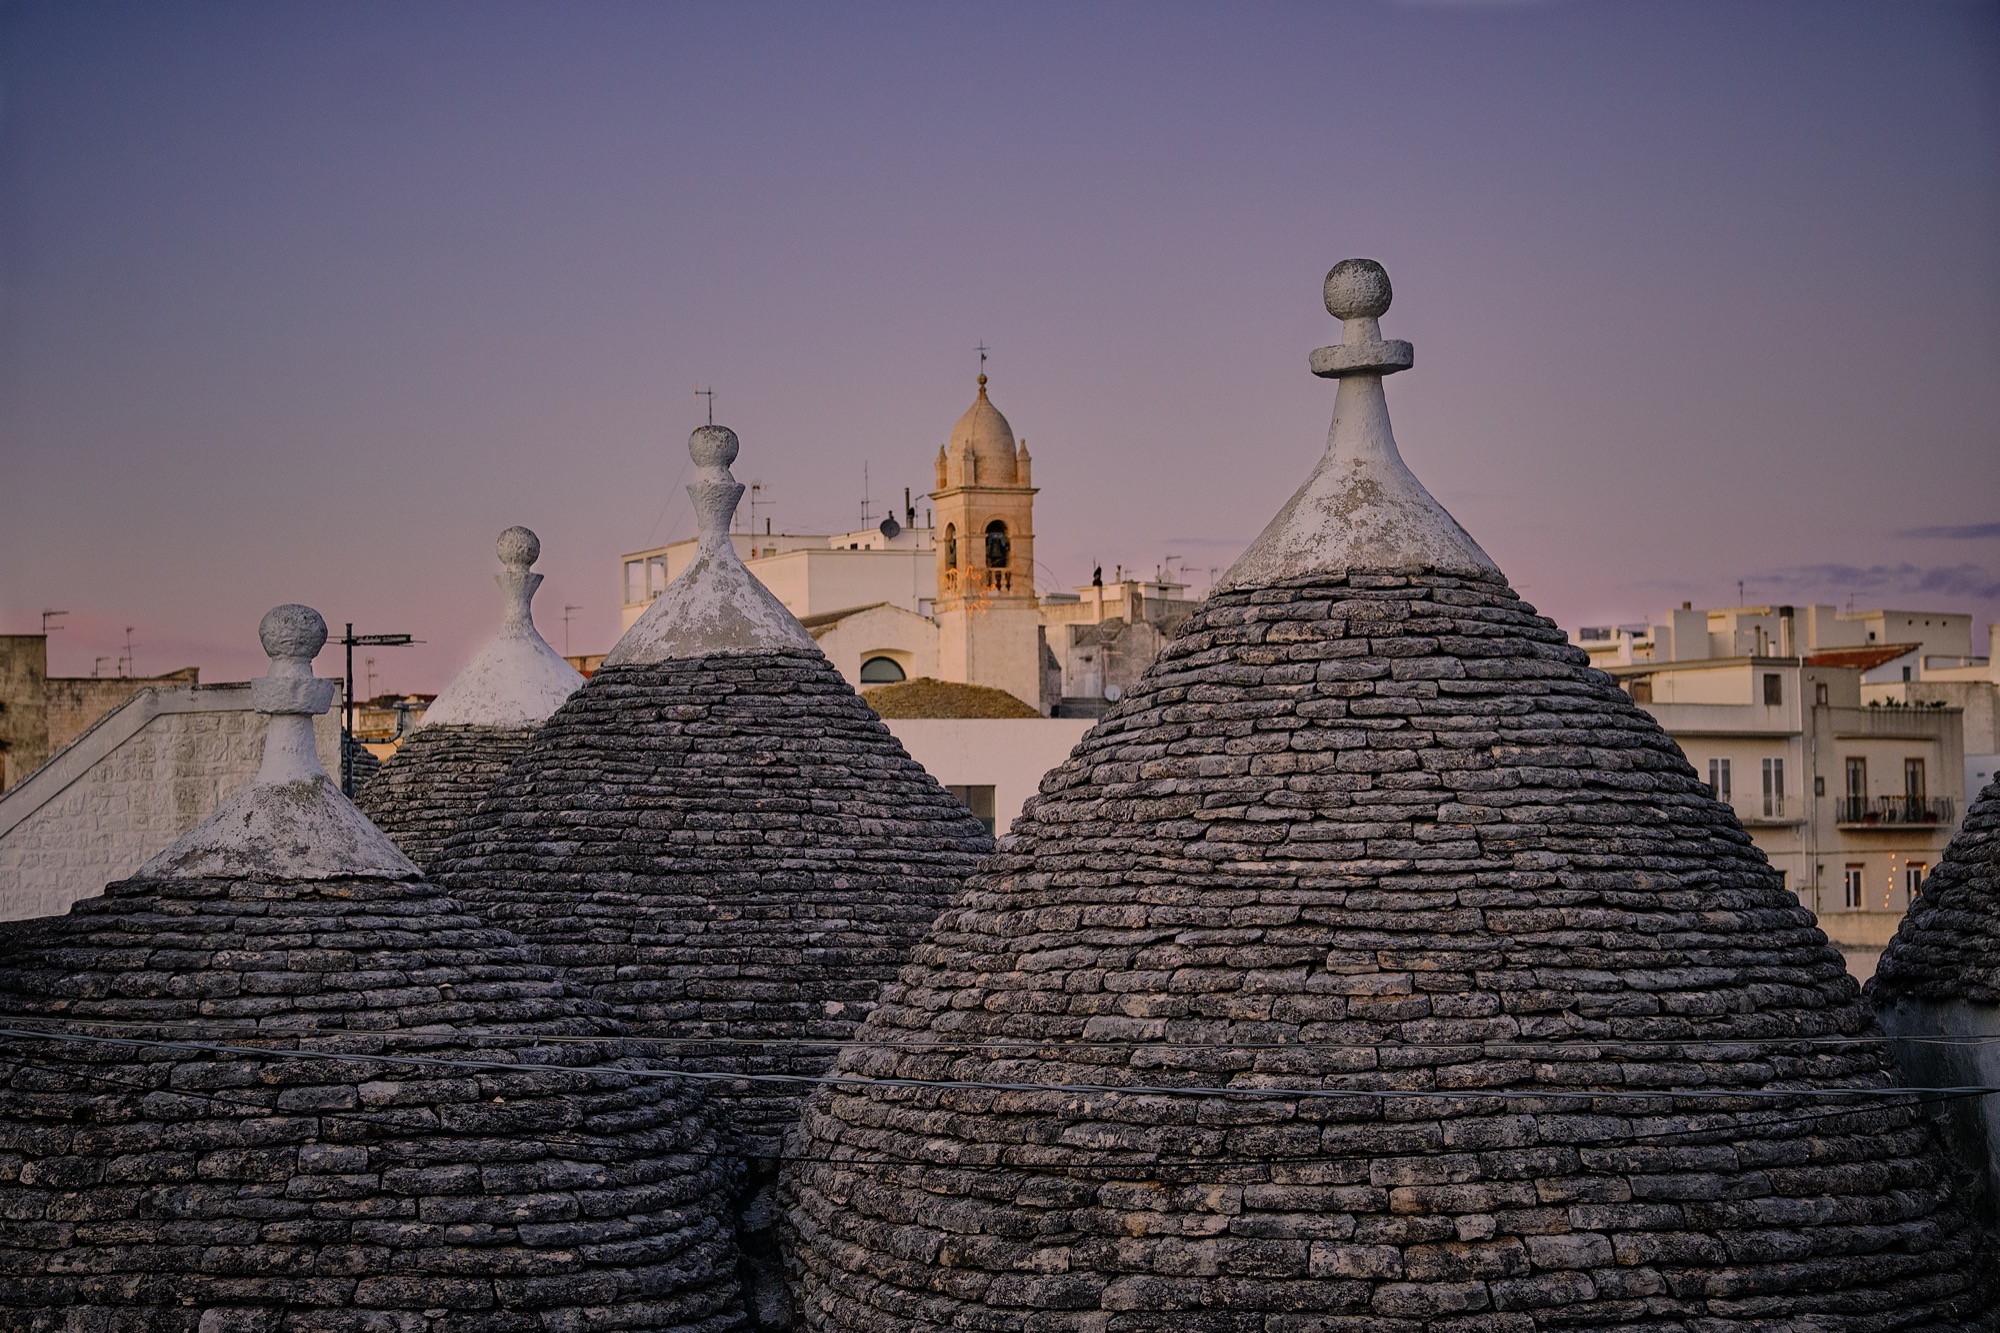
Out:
{"x": 989, "y": 620}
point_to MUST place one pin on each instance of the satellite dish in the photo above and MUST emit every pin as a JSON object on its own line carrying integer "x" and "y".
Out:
{"x": 891, "y": 528}
{"x": 1113, "y": 693}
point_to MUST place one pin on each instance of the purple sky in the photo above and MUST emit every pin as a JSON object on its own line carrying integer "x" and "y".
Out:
{"x": 306, "y": 302}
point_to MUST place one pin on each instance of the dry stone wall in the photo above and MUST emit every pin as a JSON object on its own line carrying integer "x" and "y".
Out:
{"x": 434, "y": 782}
{"x": 730, "y": 849}
{"x": 1375, "y": 966}
{"x": 294, "y": 1141}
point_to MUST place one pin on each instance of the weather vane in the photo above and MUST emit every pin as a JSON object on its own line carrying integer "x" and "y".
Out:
{"x": 710, "y": 395}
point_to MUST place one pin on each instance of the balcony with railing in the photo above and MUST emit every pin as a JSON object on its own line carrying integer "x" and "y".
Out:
{"x": 1892, "y": 811}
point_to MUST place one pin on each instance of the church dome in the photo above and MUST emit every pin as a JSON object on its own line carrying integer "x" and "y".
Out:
{"x": 276, "y": 1080}
{"x": 984, "y": 435}
{"x": 1376, "y": 963}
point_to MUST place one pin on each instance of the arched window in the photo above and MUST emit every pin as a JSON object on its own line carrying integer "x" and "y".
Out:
{"x": 951, "y": 546}
{"x": 881, "y": 671}
{"x": 998, "y": 547}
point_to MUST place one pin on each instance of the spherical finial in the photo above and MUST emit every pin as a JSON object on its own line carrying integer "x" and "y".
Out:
{"x": 713, "y": 446}
{"x": 982, "y": 383}
{"x": 519, "y": 548}
{"x": 1358, "y": 289}
{"x": 292, "y": 630}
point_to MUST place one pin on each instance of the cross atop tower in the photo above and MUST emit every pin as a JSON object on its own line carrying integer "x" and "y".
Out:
{"x": 982, "y": 349}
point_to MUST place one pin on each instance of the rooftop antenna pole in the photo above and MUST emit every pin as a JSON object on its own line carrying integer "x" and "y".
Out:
{"x": 349, "y": 640}
{"x": 131, "y": 663}
{"x": 566, "y": 611}
{"x": 710, "y": 395}
{"x": 864, "y": 493}
{"x": 47, "y": 616}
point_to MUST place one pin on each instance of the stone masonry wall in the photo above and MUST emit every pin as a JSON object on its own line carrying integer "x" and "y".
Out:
{"x": 131, "y": 805}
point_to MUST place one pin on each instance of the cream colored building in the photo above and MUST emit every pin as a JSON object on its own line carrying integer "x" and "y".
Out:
{"x": 957, "y": 598}
{"x": 1848, "y": 773}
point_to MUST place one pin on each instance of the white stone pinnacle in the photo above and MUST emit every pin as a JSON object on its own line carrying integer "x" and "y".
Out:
{"x": 290, "y": 822}
{"x": 515, "y": 680}
{"x": 1362, "y": 509}
{"x": 716, "y": 605}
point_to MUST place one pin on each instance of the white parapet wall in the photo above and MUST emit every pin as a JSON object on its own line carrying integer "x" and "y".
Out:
{"x": 1007, "y": 754}
{"x": 121, "y": 792}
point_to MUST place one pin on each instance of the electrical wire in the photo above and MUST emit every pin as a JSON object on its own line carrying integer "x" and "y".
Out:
{"x": 1739, "y": 1126}
{"x": 1509, "y": 1045}
{"x": 1136, "y": 1089}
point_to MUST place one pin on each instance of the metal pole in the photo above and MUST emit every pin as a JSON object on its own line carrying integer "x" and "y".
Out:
{"x": 347, "y": 721}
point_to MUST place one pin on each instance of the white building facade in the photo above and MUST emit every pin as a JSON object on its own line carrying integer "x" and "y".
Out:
{"x": 1849, "y": 774}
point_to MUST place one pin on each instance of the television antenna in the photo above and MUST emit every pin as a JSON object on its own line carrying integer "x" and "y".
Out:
{"x": 710, "y": 395}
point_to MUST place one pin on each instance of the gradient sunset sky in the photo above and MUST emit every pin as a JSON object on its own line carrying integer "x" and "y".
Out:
{"x": 306, "y": 302}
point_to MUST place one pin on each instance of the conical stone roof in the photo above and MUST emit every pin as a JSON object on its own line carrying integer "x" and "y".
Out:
{"x": 716, "y": 837}
{"x": 480, "y": 723}
{"x": 1947, "y": 946}
{"x": 276, "y": 1081}
{"x": 1374, "y": 965}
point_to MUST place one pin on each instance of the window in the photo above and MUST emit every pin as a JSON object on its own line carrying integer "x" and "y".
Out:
{"x": 1774, "y": 689}
{"x": 1718, "y": 779}
{"x": 635, "y": 582}
{"x": 998, "y": 547}
{"x": 1913, "y": 781}
{"x": 1774, "y": 788}
{"x": 656, "y": 576}
{"x": 881, "y": 671}
{"x": 1906, "y": 673}
{"x": 1819, "y": 693}
{"x": 951, "y": 546}
{"x": 1913, "y": 879}
{"x": 1852, "y": 898}
{"x": 1642, "y": 690}
{"x": 1857, "y": 779}
{"x": 1819, "y": 785}
{"x": 979, "y": 800}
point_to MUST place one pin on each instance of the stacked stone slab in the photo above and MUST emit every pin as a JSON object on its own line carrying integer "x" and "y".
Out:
{"x": 1937, "y": 990}
{"x": 1375, "y": 965}
{"x": 276, "y": 1081}
{"x": 479, "y": 725}
{"x": 716, "y": 837}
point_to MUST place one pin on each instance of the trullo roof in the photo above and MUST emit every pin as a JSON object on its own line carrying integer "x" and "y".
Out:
{"x": 1375, "y": 964}
{"x": 1947, "y": 946}
{"x": 248, "y": 1091}
{"x": 479, "y": 724}
{"x": 716, "y": 836}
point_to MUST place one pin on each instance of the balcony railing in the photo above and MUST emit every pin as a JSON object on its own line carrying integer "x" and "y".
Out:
{"x": 1887, "y": 811}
